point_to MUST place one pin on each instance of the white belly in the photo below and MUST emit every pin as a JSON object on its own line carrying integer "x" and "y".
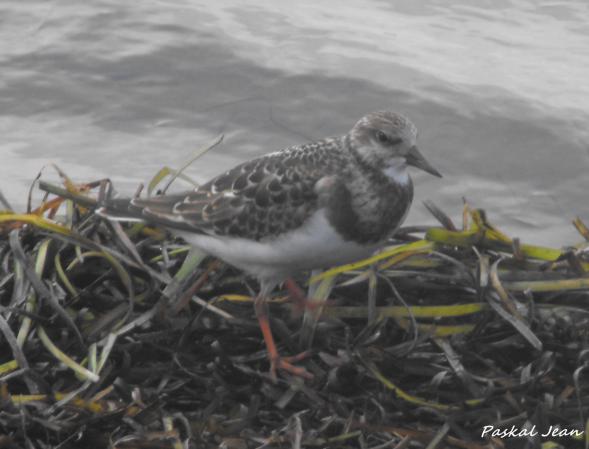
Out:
{"x": 315, "y": 245}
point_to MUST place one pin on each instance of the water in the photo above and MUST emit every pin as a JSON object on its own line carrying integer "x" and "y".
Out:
{"x": 118, "y": 89}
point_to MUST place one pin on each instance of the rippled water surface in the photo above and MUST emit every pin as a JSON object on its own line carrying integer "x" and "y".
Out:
{"x": 116, "y": 89}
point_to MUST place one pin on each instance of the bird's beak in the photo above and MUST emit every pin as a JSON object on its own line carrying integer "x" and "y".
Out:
{"x": 416, "y": 159}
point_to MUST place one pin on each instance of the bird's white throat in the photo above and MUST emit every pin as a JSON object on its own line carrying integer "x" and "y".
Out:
{"x": 397, "y": 171}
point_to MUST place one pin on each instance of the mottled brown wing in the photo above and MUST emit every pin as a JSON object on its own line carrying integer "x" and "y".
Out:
{"x": 259, "y": 199}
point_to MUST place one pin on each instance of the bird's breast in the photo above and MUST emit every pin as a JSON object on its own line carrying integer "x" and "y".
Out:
{"x": 368, "y": 211}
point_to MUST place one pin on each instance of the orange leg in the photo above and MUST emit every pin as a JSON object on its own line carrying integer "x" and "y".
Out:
{"x": 276, "y": 361}
{"x": 298, "y": 296}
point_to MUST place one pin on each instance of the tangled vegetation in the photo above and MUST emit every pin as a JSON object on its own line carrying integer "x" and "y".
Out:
{"x": 117, "y": 335}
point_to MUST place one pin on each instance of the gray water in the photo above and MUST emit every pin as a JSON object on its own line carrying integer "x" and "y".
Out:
{"x": 498, "y": 90}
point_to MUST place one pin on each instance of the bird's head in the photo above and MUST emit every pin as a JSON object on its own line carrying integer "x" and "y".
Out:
{"x": 387, "y": 141}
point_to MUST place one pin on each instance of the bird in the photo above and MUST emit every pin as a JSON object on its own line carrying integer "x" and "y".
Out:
{"x": 310, "y": 206}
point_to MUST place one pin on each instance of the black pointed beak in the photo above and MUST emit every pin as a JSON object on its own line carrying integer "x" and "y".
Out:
{"x": 416, "y": 159}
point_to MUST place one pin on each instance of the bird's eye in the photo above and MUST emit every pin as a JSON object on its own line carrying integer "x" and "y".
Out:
{"x": 382, "y": 137}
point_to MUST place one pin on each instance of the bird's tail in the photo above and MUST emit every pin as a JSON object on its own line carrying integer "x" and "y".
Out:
{"x": 155, "y": 211}
{"x": 120, "y": 209}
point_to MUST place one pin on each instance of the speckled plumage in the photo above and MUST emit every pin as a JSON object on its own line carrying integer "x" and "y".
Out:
{"x": 256, "y": 200}
{"x": 274, "y": 194}
{"x": 269, "y": 215}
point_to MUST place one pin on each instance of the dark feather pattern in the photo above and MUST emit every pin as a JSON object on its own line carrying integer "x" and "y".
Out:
{"x": 258, "y": 199}
{"x": 351, "y": 178}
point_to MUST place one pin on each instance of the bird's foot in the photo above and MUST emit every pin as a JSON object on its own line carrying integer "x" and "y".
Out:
{"x": 278, "y": 362}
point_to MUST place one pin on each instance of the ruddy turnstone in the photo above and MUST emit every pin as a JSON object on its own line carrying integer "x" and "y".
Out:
{"x": 308, "y": 206}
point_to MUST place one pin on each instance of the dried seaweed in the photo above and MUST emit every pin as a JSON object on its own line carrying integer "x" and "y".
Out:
{"x": 116, "y": 335}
